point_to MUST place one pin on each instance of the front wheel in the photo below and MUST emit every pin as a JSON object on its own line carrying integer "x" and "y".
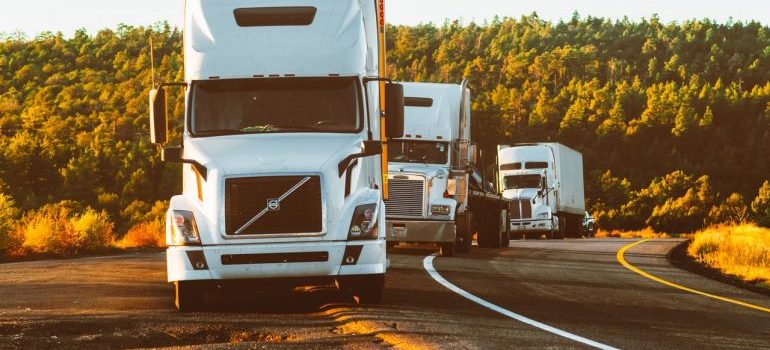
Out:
{"x": 188, "y": 296}
{"x": 464, "y": 232}
{"x": 366, "y": 289}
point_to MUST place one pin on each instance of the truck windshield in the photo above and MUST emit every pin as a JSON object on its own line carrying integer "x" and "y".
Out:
{"x": 247, "y": 106}
{"x": 523, "y": 181}
{"x": 418, "y": 151}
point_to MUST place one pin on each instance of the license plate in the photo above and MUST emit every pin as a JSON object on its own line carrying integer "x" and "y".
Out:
{"x": 399, "y": 232}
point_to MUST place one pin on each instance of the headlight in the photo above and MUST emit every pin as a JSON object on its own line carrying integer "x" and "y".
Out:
{"x": 364, "y": 223}
{"x": 184, "y": 231}
{"x": 544, "y": 216}
{"x": 439, "y": 210}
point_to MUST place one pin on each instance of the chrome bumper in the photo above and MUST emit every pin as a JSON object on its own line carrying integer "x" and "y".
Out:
{"x": 533, "y": 226}
{"x": 420, "y": 231}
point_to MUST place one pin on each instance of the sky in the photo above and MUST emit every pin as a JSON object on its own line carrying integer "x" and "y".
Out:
{"x": 34, "y": 16}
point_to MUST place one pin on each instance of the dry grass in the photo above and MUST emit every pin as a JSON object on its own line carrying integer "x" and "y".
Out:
{"x": 742, "y": 251}
{"x": 150, "y": 234}
{"x": 646, "y": 233}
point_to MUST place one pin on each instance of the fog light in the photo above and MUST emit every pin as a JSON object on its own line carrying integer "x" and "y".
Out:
{"x": 352, "y": 253}
{"x": 440, "y": 210}
{"x": 197, "y": 260}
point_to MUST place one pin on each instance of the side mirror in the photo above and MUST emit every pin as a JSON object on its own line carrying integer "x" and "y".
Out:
{"x": 372, "y": 148}
{"x": 171, "y": 154}
{"x": 158, "y": 118}
{"x": 394, "y": 109}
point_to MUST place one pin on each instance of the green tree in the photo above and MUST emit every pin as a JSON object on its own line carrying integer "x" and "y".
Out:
{"x": 761, "y": 205}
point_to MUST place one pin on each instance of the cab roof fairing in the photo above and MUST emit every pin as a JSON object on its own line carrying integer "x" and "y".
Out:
{"x": 520, "y": 154}
{"x": 341, "y": 40}
{"x": 441, "y": 119}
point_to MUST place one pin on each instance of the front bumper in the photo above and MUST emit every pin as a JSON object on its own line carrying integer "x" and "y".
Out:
{"x": 532, "y": 226}
{"x": 430, "y": 231}
{"x": 258, "y": 261}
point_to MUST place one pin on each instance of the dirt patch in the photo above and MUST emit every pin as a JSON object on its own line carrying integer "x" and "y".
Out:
{"x": 114, "y": 333}
{"x": 679, "y": 258}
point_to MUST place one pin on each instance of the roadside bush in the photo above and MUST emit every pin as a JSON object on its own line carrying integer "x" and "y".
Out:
{"x": 742, "y": 251}
{"x": 93, "y": 230}
{"x": 49, "y": 230}
{"x": 60, "y": 229}
{"x": 646, "y": 233}
{"x": 147, "y": 234}
{"x": 761, "y": 205}
{"x": 9, "y": 240}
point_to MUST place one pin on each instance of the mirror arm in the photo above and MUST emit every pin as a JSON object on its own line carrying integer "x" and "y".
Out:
{"x": 344, "y": 164}
{"x": 200, "y": 168}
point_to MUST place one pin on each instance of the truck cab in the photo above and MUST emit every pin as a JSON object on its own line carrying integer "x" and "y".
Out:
{"x": 527, "y": 177}
{"x": 427, "y": 169}
{"x": 282, "y": 147}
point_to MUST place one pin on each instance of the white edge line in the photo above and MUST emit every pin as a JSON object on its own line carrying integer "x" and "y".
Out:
{"x": 428, "y": 265}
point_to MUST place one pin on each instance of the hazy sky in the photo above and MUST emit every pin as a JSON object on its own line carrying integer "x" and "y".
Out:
{"x": 34, "y": 16}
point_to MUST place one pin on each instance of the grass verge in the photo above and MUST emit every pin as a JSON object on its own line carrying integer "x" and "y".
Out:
{"x": 741, "y": 251}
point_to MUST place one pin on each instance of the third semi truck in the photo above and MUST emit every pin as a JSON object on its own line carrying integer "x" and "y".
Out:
{"x": 545, "y": 180}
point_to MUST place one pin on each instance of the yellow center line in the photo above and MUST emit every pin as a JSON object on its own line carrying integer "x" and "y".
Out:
{"x": 622, "y": 260}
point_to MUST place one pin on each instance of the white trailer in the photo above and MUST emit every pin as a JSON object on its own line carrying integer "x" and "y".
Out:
{"x": 546, "y": 181}
{"x": 433, "y": 198}
{"x": 284, "y": 129}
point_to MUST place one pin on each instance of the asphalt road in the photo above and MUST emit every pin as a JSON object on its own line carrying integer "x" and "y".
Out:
{"x": 572, "y": 288}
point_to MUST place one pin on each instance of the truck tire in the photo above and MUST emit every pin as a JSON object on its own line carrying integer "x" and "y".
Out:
{"x": 505, "y": 237}
{"x": 562, "y": 231}
{"x": 188, "y": 296}
{"x": 495, "y": 230}
{"x": 366, "y": 289}
{"x": 447, "y": 249}
{"x": 480, "y": 225}
{"x": 573, "y": 226}
{"x": 464, "y": 228}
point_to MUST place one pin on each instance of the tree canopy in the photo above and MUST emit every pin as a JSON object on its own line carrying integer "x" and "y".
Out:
{"x": 647, "y": 103}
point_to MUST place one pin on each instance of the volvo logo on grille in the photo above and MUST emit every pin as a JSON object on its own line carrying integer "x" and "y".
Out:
{"x": 274, "y": 204}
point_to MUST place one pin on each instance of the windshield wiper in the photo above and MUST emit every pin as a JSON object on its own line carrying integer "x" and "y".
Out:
{"x": 217, "y": 132}
{"x": 272, "y": 128}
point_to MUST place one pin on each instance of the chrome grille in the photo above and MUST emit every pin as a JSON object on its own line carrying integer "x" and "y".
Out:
{"x": 405, "y": 198}
{"x": 521, "y": 209}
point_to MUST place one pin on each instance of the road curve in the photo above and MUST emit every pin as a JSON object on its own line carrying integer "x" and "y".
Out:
{"x": 576, "y": 286}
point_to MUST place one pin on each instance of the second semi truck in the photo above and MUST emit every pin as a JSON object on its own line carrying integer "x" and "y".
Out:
{"x": 436, "y": 195}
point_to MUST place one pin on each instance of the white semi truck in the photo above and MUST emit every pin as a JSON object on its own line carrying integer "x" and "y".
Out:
{"x": 436, "y": 195}
{"x": 284, "y": 178}
{"x": 546, "y": 182}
